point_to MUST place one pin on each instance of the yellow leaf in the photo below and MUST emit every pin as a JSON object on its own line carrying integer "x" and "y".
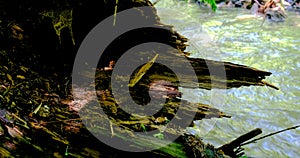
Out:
{"x": 142, "y": 72}
{"x": 23, "y": 68}
{"x": 10, "y": 78}
{"x": 38, "y": 108}
{"x": 20, "y": 77}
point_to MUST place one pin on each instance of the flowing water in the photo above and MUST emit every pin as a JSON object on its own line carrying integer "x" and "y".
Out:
{"x": 234, "y": 35}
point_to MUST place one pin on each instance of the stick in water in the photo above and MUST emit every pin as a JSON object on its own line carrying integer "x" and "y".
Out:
{"x": 268, "y": 135}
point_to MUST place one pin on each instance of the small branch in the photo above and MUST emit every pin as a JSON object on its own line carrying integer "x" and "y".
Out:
{"x": 268, "y": 135}
{"x": 67, "y": 120}
{"x": 228, "y": 148}
{"x": 156, "y": 2}
{"x": 269, "y": 84}
{"x": 111, "y": 129}
{"x": 115, "y": 13}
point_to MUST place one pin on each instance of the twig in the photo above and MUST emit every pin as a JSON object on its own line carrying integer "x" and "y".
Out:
{"x": 268, "y": 135}
{"x": 156, "y": 2}
{"x": 115, "y": 13}
{"x": 50, "y": 122}
{"x": 111, "y": 129}
{"x": 228, "y": 148}
{"x": 269, "y": 84}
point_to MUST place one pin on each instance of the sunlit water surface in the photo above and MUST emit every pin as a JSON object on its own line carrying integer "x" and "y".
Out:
{"x": 234, "y": 35}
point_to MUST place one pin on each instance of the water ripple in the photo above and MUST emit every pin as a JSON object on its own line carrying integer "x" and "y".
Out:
{"x": 274, "y": 48}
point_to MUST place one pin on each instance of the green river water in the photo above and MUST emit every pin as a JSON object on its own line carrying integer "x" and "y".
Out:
{"x": 233, "y": 35}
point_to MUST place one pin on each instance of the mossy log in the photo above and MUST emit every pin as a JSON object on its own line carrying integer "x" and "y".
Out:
{"x": 31, "y": 36}
{"x": 119, "y": 125}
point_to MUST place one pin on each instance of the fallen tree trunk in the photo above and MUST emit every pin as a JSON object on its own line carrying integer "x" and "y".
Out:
{"x": 52, "y": 32}
{"x": 210, "y": 74}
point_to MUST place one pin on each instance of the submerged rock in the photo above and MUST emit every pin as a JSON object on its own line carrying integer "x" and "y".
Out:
{"x": 275, "y": 16}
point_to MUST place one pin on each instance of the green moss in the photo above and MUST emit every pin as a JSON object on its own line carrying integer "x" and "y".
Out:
{"x": 61, "y": 20}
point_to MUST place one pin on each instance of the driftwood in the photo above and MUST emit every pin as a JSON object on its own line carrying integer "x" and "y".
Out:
{"x": 268, "y": 135}
{"x": 232, "y": 149}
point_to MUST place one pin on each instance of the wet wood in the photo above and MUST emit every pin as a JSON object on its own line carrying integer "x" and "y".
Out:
{"x": 269, "y": 135}
{"x": 232, "y": 149}
{"x": 210, "y": 74}
{"x": 196, "y": 148}
{"x": 146, "y": 91}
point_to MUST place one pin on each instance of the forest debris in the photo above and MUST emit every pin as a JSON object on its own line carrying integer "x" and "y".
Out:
{"x": 142, "y": 71}
{"x": 21, "y": 120}
{"x": 38, "y": 108}
{"x": 14, "y": 132}
{"x": 111, "y": 129}
{"x": 10, "y": 79}
{"x": 34, "y": 85}
{"x": 229, "y": 148}
{"x": 2, "y": 132}
{"x": 115, "y": 13}
{"x": 17, "y": 32}
{"x": 195, "y": 147}
{"x": 53, "y": 135}
{"x": 269, "y": 84}
{"x": 268, "y": 135}
{"x": 4, "y": 152}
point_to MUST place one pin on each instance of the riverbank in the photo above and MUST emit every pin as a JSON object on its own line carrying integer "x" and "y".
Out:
{"x": 37, "y": 100}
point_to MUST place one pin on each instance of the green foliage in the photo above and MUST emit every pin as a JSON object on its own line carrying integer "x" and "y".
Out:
{"x": 143, "y": 127}
{"x": 212, "y": 3}
{"x": 66, "y": 152}
{"x": 174, "y": 149}
{"x": 159, "y": 135}
{"x": 209, "y": 153}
